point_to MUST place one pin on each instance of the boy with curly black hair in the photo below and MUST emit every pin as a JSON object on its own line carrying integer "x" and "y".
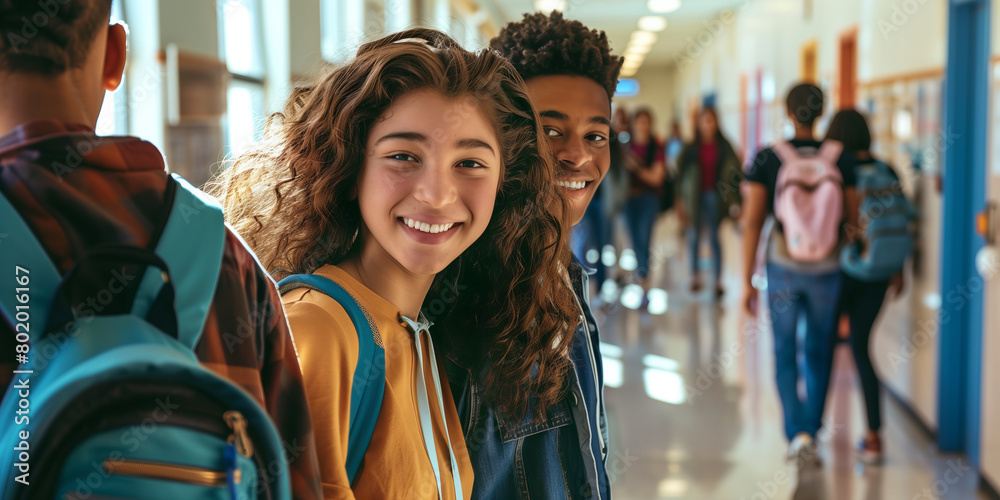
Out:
{"x": 571, "y": 75}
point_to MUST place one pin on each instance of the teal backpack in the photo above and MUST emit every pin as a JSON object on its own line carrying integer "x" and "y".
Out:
{"x": 115, "y": 404}
{"x": 886, "y": 239}
{"x": 368, "y": 384}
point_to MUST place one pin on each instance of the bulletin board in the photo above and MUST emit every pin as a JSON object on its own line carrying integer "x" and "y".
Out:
{"x": 905, "y": 118}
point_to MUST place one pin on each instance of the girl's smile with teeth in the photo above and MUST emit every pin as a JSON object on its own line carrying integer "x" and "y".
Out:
{"x": 573, "y": 185}
{"x": 427, "y": 228}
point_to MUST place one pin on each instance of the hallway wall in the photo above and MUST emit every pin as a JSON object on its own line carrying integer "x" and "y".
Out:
{"x": 766, "y": 36}
{"x": 900, "y": 57}
{"x": 990, "y": 451}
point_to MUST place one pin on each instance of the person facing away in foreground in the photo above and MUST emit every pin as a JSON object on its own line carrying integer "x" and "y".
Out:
{"x": 803, "y": 259}
{"x": 559, "y": 449}
{"x": 78, "y": 191}
{"x": 862, "y": 299}
{"x": 416, "y": 178}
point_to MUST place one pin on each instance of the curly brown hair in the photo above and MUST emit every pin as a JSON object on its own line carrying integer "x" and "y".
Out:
{"x": 291, "y": 198}
{"x": 543, "y": 44}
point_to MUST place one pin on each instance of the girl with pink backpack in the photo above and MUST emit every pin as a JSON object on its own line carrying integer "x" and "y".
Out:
{"x": 807, "y": 187}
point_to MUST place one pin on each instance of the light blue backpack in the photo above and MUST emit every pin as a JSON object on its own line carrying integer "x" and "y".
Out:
{"x": 118, "y": 406}
{"x": 886, "y": 239}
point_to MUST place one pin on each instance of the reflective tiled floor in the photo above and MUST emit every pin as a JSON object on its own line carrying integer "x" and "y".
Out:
{"x": 694, "y": 413}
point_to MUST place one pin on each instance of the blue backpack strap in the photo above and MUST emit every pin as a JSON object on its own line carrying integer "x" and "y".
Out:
{"x": 368, "y": 385}
{"x": 19, "y": 247}
{"x": 192, "y": 245}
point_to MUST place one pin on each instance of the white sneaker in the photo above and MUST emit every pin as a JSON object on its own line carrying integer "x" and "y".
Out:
{"x": 803, "y": 451}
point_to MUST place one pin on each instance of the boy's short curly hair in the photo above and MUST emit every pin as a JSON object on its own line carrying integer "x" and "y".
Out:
{"x": 543, "y": 44}
{"x": 805, "y": 102}
{"x": 49, "y": 36}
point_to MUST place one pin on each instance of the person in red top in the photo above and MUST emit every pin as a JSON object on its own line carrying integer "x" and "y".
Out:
{"x": 647, "y": 169}
{"x": 76, "y": 190}
{"x": 710, "y": 176}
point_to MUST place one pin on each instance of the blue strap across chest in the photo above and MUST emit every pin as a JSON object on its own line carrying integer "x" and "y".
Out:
{"x": 368, "y": 384}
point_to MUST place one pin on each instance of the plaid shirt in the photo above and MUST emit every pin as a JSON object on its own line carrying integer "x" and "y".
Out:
{"x": 76, "y": 190}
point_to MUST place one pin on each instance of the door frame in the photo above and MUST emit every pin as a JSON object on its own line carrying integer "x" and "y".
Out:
{"x": 965, "y": 146}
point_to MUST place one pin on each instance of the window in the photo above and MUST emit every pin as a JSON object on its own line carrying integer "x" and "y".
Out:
{"x": 344, "y": 28}
{"x": 241, "y": 43}
{"x": 113, "y": 119}
{"x": 240, "y": 37}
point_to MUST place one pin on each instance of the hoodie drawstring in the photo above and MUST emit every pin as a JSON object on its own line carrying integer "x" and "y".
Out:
{"x": 426, "y": 424}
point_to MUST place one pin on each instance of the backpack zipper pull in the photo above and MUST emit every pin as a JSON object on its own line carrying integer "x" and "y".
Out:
{"x": 238, "y": 424}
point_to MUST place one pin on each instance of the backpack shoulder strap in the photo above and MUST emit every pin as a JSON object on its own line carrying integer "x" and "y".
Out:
{"x": 192, "y": 245}
{"x": 20, "y": 248}
{"x": 785, "y": 151}
{"x": 368, "y": 384}
{"x": 830, "y": 151}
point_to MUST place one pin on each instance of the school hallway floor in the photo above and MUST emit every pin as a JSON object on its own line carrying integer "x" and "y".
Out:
{"x": 694, "y": 414}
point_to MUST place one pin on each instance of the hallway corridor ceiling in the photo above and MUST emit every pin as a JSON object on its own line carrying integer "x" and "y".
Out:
{"x": 619, "y": 18}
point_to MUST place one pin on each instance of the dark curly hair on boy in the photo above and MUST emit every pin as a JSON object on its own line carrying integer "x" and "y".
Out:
{"x": 49, "y": 36}
{"x": 550, "y": 45}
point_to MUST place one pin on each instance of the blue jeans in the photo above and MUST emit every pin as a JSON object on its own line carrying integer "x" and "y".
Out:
{"x": 708, "y": 220}
{"x": 793, "y": 295}
{"x": 641, "y": 212}
{"x": 593, "y": 232}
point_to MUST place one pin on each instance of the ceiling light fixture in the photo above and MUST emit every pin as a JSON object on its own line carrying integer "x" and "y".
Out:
{"x": 547, "y": 6}
{"x": 637, "y": 50}
{"x": 642, "y": 38}
{"x": 663, "y": 6}
{"x": 652, "y": 23}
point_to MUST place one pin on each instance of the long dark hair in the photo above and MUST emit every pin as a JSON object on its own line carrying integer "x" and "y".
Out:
{"x": 723, "y": 145}
{"x": 291, "y": 199}
{"x": 850, "y": 128}
{"x": 651, "y": 144}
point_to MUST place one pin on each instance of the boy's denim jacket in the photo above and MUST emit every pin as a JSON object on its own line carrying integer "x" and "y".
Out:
{"x": 563, "y": 455}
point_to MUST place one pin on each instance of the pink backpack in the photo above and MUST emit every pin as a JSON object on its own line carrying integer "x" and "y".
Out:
{"x": 809, "y": 200}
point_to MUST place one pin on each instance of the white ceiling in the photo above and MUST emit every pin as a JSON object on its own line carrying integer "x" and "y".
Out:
{"x": 619, "y": 17}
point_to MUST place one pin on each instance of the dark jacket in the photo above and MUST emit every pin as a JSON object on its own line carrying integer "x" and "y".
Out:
{"x": 563, "y": 455}
{"x": 728, "y": 176}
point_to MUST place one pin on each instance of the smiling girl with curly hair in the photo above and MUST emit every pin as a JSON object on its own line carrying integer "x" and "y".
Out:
{"x": 417, "y": 178}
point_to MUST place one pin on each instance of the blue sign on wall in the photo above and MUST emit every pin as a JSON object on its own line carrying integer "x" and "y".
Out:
{"x": 627, "y": 87}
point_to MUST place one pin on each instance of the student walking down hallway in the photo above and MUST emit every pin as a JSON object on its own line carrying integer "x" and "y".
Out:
{"x": 646, "y": 165}
{"x": 803, "y": 259}
{"x": 710, "y": 176}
